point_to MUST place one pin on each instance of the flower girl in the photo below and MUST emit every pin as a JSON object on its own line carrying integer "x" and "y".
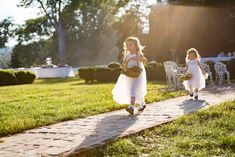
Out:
{"x": 197, "y": 72}
{"x": 132, "y": 90}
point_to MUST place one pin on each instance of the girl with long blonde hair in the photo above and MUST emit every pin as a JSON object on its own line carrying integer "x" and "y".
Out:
{"x": 132, "y": 90}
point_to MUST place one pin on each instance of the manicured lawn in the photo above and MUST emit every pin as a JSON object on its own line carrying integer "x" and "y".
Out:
{"x": 49, "y": 101}
{"x": 206, "y": 133}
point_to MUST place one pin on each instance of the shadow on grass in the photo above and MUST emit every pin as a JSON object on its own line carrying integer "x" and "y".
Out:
{"x": 107, "y": 129}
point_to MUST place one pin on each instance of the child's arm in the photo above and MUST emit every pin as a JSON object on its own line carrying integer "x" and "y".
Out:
{"x": 140, "y": 58}
{"x": 186, "y": 68}
{"x": 124, "y": 63}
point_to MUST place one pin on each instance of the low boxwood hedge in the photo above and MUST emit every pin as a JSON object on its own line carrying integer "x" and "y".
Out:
{"x": 25, "y": 77}
{"x": 154, "y": 70}
{"x": 12, "y": 77}
{"x": 87, "y": 73}
{"x": 106, "y": 74}
{"x": 114, "y": 65}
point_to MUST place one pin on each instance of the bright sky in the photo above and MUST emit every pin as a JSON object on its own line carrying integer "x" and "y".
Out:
{"x": 19, "y": 14}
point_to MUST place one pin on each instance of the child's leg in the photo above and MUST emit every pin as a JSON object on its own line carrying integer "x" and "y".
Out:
{"x": 132, "y": 101}
{"x": 196, "y": 94}
{"x": 130, "y": 109}
{"x": 191, "y": 91}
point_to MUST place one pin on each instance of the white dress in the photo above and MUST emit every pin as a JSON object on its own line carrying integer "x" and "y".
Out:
{"x": 127, "y": 87}
{"x": 198, "y": 80}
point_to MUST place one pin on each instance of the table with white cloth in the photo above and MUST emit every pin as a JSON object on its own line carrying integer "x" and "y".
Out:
{"x": 55, "y": 72}
{"x": 217, "y": 59}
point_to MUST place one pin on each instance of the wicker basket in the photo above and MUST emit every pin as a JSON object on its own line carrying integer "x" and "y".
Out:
{"x": 186, "y": 77}
{"x": 132, "y": 72}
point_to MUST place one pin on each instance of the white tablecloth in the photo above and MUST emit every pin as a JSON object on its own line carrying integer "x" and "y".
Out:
{"x": 216, "y": 59}
{"x": 57, "y": 72}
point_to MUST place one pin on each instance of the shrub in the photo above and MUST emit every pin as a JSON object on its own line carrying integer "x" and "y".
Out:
{"x": 115, "y": 74}
{"x": 7, "y": 77}
{"x": 152, "y": 64}
{"x": 114, "y": 65}
{"x": 102, "y": 74}
{"x": 106, "y": 74}
{"x": 25, "y": 77}
{"x": 11, "y": 77}
{"x": 86, "y": 73}
{"x": 156, "y": 73}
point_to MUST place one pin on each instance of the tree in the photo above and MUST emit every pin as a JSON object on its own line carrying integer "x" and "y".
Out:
{"x": 52, "y": 9}
{"x": 5, "y": 59}
{"x": 90, "y": 31}
{"x": 131, "y": 23}
{"x": 59, "y": 11}
{"x": 33, "y": 30}
{"x": 35, "y": 43}
{"x": 33, "y": 53}
{"x": 5, "y": 31}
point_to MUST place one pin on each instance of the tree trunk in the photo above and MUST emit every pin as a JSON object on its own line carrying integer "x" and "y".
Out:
{"x": 61, "y": 43}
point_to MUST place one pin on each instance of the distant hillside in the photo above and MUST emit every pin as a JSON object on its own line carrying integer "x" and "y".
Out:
{"x": 5, "y": 57}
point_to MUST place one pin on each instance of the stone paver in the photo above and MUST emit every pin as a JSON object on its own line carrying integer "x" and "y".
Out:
{"x": 76, "y": 136}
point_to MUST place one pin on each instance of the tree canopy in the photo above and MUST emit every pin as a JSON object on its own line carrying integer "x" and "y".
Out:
{"x": 5, "y": 31}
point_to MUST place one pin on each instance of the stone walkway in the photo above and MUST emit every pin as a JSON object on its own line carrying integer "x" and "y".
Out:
{"x": 76, "y": 136}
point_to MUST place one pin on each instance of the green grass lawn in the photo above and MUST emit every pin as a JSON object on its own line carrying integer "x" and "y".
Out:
{"x": 206, "y": 133}
{"x": 49, "y": 101}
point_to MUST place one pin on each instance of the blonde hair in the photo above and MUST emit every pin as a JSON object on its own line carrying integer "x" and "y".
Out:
{"x": 192, "y": 51}
{"x": 136, "y": 41}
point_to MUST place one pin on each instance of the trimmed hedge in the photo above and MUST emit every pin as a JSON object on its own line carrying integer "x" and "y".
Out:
{"x": 154, "y": 70}
{"x": 7, "y": 77}
{"x": 11, "y": 77}
{"x": 114, "y": 65}
{"x": 86, "y": 73}
{"x": 153, "y": 64}
{"x": 106, "y": 74}
{"x": 25, "y": 77}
